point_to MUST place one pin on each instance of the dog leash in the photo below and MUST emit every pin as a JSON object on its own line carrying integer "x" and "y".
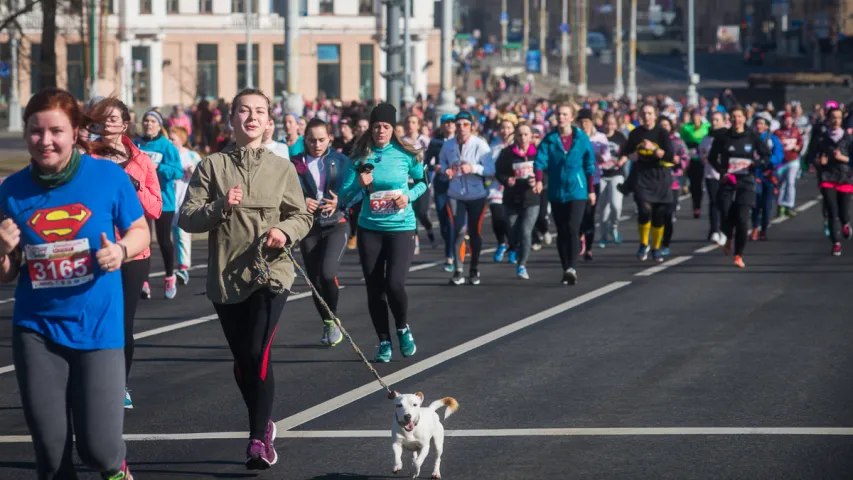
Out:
{"x": 265, "y": 276}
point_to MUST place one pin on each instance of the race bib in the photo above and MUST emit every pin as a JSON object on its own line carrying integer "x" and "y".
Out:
{"x": 739, "y": 164}
{"x": 790, "y": 143}
{"x": 60, "y": 264}
{"x": 382, "y": 203}
{"x": 522, "y": 170}
{"x": 155, "y": 157}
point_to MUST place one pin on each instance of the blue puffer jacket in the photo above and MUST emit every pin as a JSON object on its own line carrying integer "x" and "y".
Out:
{"x": 169, "y": 169}
{"x": 567, "y": 171}
{"x": 777, "y": 153}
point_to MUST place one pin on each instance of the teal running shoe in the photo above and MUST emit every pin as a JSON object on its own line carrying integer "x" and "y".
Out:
{"x": 383, "y": 354}
{"x": 407, "y": 342}
{"x": 128, "y": 403}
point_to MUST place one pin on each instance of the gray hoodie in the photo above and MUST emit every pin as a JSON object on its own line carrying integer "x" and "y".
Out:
{"x": 475, "y": 152}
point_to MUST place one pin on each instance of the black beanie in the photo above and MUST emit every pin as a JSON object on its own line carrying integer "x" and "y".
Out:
{"x": 384, "y": 112}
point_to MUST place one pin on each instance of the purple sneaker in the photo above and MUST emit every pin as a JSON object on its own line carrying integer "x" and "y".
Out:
{"x": 269, "y": 440}
{"x": 256, "y": 456}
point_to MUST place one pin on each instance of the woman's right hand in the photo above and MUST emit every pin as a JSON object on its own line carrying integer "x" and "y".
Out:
{"x": 311, "y": 204}
{"x": 365, "y": 179}
{"x": 510, "y": 182}
{"x": 10, "y": 236}
{"x": 233, "y": 197}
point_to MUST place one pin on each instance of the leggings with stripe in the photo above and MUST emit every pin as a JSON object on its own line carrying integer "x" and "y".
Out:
{"x": 836, "y": 204}
{"x": 249, "y": 327}
{"x": 322, "y": 251}
{"x": 475, "y": 211}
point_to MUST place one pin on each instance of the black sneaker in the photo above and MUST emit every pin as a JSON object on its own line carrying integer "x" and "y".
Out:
{"x": 457, "y": 278}
{"x": 474, "y": 277}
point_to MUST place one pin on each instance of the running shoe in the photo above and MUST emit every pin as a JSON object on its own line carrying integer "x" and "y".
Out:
{"x": 432, "y": 242}
{"x": 521, "y": 272}
{"x": 727, "y": 250}
{"x": 570, "y": 277}
{"x": 588, "y": 256}
{"x": 256, "y": 456}
{"x": 643, "y": 253}
{"x": 269, "y": 442}
{"x": 458, "y": 278}
{"x": 665, "y": 251}
{"x": 536, "y": 247}
{"x": 417, "y": 246}
{"x": 448, "y": 265}
{"x": 331, "y": 333}
{"x": 657, "y": 256}
{"x": 617, "y": 239}
{"x": 407, "y": 342}
{"x": 500, "y": 252}
{"x": 171, "y": 287}
{"x": 474, "y": 277}
{"x": 351, "y": 243}
{"x": 696, "y": 213}
{"x": 512, "y": 257}
{"x": 720, "y": 239}
{"x": 739, "y": 261}
{"x": 383, "y": 353}
{"x": 124, "y": 474}
{"x": 183, "y": 275}
{"x": 755, "y": 233}
{"x": 602, "y": 243}
{"x": 847, "y": 231}
{"x": 762, "y": 237}
{"x": 128, "y": 403}
{"x": 548, "y": 238}
{"x": 583, "y": 244}
{"x": 836, "y": 249}
{"x": 146, "y": 291}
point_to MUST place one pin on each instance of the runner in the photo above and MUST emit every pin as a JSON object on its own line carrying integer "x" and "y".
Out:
{"x": 500, "y": 225}
{"x": 155, "y": 143}
{"x": 514, "y": 170}
{"x": 792, "y": 141}
{"x": 321, "y": 172}
{"x": 692, "y": 134}
{"x": 601, "y": 148}
{"x": 682, "y": 161}
{"x": 541, "y": 232}
{"x": 441, "y": 184}
{"x": 292, "y": 137}
{"x": 712, "y": 176}
{"x": 362, "y": 125}
{"x": 278, "y": 148}
{"x": 566, "y": 155}
{"x": 110, "y": 118}
{"x": 381, "y": 166}
{"x": 67, "y": 335}
{"x": 421, "y": 206}
{"x": 612, "y": 174}
{"x": 766, "y": 182}
{"x": 650, "y": 179}
{"x": 240, "y": 196}
{"x": 736, "y": 155}
{"x": 183, "y": 240}
{"x": 833, "y": 168}
{"x": 467, "y": 162}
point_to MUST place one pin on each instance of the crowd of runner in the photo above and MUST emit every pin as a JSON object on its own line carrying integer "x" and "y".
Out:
{"x": 361, "y": 178}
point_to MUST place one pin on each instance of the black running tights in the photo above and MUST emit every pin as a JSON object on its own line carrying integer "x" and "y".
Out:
{"x": 567, "y": 218}
{"x": 163, "y": 227}
{"x": 385, "y": 261}
{"x": 133, "y": 275}
{"x": 837, "y": 206}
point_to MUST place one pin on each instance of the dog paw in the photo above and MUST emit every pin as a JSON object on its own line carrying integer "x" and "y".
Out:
{"x": 397, "y": 469}
{"x": 436, "y": 475}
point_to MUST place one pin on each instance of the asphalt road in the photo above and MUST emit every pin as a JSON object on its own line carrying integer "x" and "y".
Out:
{"x": 689, "y": 369}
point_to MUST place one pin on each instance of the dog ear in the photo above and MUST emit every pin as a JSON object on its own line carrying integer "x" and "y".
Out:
{"x": 420, "y": 395}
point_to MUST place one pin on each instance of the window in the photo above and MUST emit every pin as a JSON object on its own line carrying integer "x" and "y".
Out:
{"x": 205, "y": 6}
{"x": 74, "y": 71}
{"x": 327, "y": 7}
{"x": 279, "y": 72}
{"x": 111, "y": 7}
{"x": 145, "y": 7}
{"x": 329, "y": 70}
{"x": 207, "y": 71}
{"x": 173, "y": 6}
{"x": 141, "y": 56}
{"x": 35, "y": 68}
{"x": 279, "y": 7}
{"x": 6, "y": 82}
{"x": 241, "y": 65}
{"x": 365, "y": 82}
{"x": 239, "y": 6}
{"x": 365, "y": 7}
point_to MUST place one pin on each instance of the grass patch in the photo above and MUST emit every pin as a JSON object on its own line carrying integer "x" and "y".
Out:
{"x": 12, "y": 163}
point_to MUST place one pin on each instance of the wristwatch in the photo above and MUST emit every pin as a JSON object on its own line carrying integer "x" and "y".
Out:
{"x": 123, "y": 251}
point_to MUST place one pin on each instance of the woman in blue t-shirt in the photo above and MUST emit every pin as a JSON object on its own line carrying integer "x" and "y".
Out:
{"x": 68, "y": 335}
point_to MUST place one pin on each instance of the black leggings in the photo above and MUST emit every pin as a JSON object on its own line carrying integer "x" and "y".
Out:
{"x": 133, "y": 275}
{"x": 499, "y": 225}
{"x": 670, "y": 214}
{"x": 322, "y": 250}
{"x": 354, "y": 212}
{"x": 696, "y": 174}
{"x": 837, "y": 205}
{"x": 385, "y": 260}
{"x": 421, "y": 209}
{"x": 541, "y": 227}
{"x": 713, "y": 186}
{"x": 654, "y": 212}
{"x": 568, "y": 217}
{"x": 735, "y": 219}
{"x": 475, "y": 212}
{"x": 163, "y": 226}
{"x": 588, "y": 223}
{"x": 249, "y": 328}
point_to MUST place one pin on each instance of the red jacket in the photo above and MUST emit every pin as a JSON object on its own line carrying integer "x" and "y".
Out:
{"x": 792, "y": 142}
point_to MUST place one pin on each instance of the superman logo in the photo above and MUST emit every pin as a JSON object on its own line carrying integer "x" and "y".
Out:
{"x": 59, "y": 223}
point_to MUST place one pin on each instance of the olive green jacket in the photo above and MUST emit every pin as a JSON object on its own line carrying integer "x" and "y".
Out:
{"x": 272, "y": 198}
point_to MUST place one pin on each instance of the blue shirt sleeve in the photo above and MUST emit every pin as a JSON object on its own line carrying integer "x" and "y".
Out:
{"x": 170, "y": 167}
{"x": 541, "y": 161}
{"x": 588, "y": 157}
{"x": 126, "y": 208}
{"x": 778, "y": 154}
{"x": 351, "y": 187}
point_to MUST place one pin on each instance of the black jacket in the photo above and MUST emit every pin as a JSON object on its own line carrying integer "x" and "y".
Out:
{"x": 834, "y": 171}
{"x": 334, "y": 166}
{"x": 521, "y": 194}
{"x": 741, "y": 154}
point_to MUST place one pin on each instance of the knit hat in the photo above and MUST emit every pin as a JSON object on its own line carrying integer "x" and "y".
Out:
{"x": 385, "y": 113}
{"x": 448, "y": 117}
{"x": 584, "y": 114}
{"x": 155, "y": 115}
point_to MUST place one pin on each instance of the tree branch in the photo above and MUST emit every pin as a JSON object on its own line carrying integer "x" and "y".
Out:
{"x": 14, "y": 17}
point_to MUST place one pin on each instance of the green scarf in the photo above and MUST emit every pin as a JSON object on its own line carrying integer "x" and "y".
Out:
{"x": 50, "y": 181}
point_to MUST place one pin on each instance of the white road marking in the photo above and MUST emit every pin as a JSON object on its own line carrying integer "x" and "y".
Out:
{"x": 663, "y": 266}
{"x": 506, "y": 432}
{"x": 707, "y": 248}
{"x": 333, "y": 404}
{"x": 163, "y": 274}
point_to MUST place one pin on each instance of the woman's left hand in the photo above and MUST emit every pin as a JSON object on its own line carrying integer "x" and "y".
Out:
{"x": 276, "y": 238}
{"x": 401, "y": 201}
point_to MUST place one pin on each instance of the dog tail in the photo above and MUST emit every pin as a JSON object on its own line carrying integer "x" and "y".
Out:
{"x": 449, "y": 402}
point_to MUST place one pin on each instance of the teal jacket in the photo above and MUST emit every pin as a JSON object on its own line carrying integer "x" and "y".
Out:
{"x": 569, "y": 173}
{"x": 393, "y": 167}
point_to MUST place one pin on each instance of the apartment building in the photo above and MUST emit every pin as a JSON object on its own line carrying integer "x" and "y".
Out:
{"x": 166, "y": 52}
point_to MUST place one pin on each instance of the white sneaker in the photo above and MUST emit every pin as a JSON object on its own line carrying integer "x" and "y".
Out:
{"x": 715, "y": 238}
{"x": 722, "y": 240}
{"x": 548, "y": 239}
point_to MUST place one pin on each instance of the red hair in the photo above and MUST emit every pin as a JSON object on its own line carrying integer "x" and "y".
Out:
{"x": 58, "y": 99}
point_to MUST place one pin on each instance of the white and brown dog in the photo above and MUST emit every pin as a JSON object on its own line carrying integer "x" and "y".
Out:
{"x": 415, "y": 427}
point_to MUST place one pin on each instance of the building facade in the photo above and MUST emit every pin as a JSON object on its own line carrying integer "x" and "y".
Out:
{"x": 167, "y": 52}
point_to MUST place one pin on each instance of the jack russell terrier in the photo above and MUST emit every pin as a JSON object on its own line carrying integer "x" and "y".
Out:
{"x": 415, "y": 427}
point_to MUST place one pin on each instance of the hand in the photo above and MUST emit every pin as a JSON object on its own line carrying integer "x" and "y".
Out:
{"x": 537, "y": 189}
{"x": 823, "y": 160}
{"x": 233, "y": 197}
{"x": 330, "y": 205}
{"x": 510, "y": 182}
{"x": 437, "y": 168}
{"x": 592, "y": 199}
{"x": 276, "y": 238}
{"x": 449, "y": 173}
{"x": 531, "y": 181}
{"x": 837, "y": 154}
{"x": 10, "y": 236}
{"x": 466, "y": 168}
{"x": 648, "y": 145}
{"x": 311, "y": 205}
{"x": 365, "y": 179}
{"x": 110, "y": 256}
{"x": 401, "y": 201}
